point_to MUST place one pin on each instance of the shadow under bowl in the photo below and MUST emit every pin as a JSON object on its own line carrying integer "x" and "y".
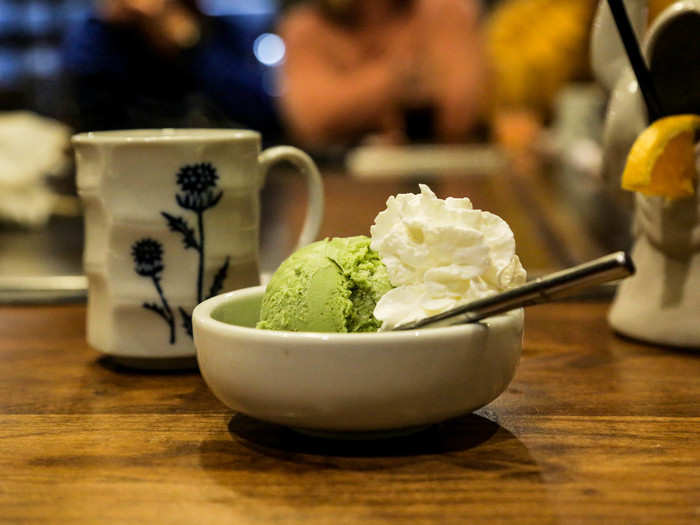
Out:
{"x": 344, "y": 385}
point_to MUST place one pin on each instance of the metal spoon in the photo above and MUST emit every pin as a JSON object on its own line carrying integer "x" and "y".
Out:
{"x": 614, "y": 266}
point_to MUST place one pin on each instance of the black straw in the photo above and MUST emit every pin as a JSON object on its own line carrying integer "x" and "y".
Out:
{"x": 629, "y": 40}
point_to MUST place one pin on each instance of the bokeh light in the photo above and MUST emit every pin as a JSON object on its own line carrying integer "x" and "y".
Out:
{"x": 269, "y": 49}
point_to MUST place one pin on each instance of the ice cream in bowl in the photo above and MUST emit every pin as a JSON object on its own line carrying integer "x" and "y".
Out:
{"x": 315, "y": 349}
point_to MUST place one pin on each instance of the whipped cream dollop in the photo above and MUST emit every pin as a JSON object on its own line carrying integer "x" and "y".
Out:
{"x": 439, "y": 254}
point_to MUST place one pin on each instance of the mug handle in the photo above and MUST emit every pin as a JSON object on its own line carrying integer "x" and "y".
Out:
{"x": 307, "y": 167}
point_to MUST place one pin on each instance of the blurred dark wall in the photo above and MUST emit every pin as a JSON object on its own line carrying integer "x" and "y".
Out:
{"x": 31, "y": 33}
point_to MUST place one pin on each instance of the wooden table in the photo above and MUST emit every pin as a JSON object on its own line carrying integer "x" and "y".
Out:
{"x": 593, "y": 429}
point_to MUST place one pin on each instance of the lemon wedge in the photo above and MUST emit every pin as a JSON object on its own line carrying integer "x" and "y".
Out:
{"x": 662, "y": 159}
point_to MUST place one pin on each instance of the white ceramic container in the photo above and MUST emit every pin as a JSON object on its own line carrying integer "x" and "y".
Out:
{"x": 351, "y": 384}
{"x": 661, "y": 302}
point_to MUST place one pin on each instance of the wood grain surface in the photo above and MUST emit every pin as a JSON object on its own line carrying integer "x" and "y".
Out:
{"x": 594, "y": 429}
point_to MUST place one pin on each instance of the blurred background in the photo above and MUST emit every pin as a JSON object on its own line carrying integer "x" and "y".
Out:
{"x": 494, "y": 100}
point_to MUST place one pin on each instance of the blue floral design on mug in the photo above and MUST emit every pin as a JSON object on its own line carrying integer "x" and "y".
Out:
{"x": 198, "y": 193}
{"x": 148, "y": 262}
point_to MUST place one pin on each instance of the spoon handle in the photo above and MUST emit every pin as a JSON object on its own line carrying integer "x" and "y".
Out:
{"x": 541, "y": 290}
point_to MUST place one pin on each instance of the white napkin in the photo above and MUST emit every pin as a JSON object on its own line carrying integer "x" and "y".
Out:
{"x": 31, "y": 149}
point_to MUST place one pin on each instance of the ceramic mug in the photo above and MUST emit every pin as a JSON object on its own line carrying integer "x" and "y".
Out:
{"x": 172, "y": 217}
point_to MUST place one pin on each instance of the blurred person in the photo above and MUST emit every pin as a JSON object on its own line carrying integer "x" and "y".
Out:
{"x": 163, "y": 63}
{"x": 398, "y": 69}
{"x": 534, "y": 49}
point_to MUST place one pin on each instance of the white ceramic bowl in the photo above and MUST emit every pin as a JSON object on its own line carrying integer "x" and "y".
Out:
{"x": 351, "y": 383}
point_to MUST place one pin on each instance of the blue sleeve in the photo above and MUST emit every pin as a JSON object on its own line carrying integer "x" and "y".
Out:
{"x": 93, "y": 64}
{"x": 89, "y": 48}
